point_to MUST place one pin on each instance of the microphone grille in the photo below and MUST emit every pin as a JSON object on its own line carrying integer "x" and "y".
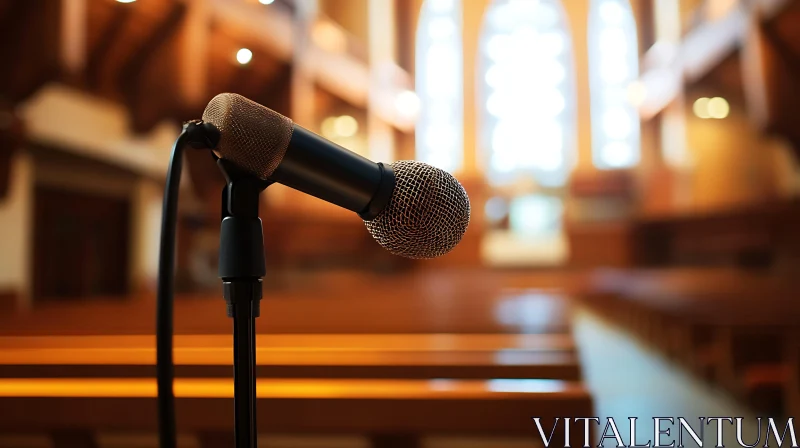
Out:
{"x": 427, "y": 214}
{"x": 253, "y": 137}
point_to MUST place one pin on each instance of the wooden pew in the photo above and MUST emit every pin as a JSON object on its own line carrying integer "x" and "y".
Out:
{"x": 387, "y": 410}
{"x": 760, "y": 236}
{"x": 519, "y": 364}
{"x": 730, "y": 326}
{"x": 299, "y": 356}
{"x": 313, "y": 341}
{"x": 379, "y": 309}
{"x": 434, "y": 330}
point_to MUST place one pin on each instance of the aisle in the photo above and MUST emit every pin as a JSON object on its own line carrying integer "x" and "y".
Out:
{"x": 629, "y": 380}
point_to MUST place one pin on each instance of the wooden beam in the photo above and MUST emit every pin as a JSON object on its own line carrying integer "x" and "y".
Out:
{"x": 162, "y": 32}
{"x": 12, "y": 29}
{"x": 787, "y": 53}
{"x": 193, "y": 54}
{"x": 302, "y": 86}
{"x": 33, "y": 56}
{"x": 772, "y": 93}
{"x": 12, "y": 137}
{"x": 277, "y": 88}
{"x": 73, "y": 36}
{"x": 646, "y": 24}
{"x": 108, "y": 38}
{"x": 132, "y": 72}
{"x": 35, "y": 82}
{"x": 241, "y": 81}
{"x": 406, "y": 15}
{"x": 14, "y": 20}
{"x": 755, "y": 66}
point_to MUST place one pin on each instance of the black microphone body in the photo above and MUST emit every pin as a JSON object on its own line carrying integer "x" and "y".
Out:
{"x": 411, "y": 209}
{"x": 325, "y": 170}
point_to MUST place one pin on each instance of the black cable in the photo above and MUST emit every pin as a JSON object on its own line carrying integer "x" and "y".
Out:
{"x": 195, "y": 134}
{"x": 166, "y": 270}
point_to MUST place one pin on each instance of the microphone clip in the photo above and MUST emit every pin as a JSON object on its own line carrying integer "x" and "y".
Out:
{"x": 240, "y": 197}
{"x": 241, "y": 255}
{"x": 201, "y": 135}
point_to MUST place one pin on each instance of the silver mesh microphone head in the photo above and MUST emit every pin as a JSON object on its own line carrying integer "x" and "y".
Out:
{"x": 427, "y": 214}
{"x": 253, "y": 137}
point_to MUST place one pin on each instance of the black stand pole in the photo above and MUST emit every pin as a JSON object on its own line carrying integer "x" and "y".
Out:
{"x": 241, "y": 268}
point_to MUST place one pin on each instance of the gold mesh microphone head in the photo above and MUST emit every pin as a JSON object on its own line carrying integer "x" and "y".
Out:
{"x": 252, "y": 136}
{"x": 427, "y": 214}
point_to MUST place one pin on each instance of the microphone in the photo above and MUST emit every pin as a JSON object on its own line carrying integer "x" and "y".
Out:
{"x": 412, "y": 209}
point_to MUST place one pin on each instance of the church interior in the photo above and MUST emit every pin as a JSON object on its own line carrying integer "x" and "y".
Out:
{"x": 633, "y": 171}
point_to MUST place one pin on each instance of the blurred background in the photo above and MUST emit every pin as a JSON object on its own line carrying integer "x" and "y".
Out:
{"x": 633, "y": 174}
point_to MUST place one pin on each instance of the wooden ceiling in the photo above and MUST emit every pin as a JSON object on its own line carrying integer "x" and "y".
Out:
{"x": 766, "y": 82}
{"x": 724, "y": 80}
{"x": 265, "y": 79}
{"x": 29, "y": 32}
{"x": 786, "y": 26}
{"x": 780, "y": 45}
{"x": 135, "y": 55}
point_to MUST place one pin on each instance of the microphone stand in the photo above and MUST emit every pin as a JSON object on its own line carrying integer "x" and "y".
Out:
{"x": 242, "y": 268}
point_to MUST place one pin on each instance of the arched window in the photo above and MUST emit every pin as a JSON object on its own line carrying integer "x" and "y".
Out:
{"x": 439, "y": 72}
{"x": 526, "y": 94}
{"x": 613, "y": 70}
{"x": 526, "y": 88}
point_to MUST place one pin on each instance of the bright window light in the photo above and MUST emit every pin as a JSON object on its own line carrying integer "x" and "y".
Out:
{"x": 617, "y": 124}
{"x": 441, "y": 28}
{"x": 551, "y": 43}
{"x": 614, "y": 42}
{"x": 438, "y": 101}
{"x": 528, "y": 114}
{"x": 612, "y": 13}
{"x": 615, "y": 90}
{"x": 614, "y": 72}
{"x": 536, "y": 215}
{"x": 407, "y": 104}
{"x": 499, "y": 47}
{"x": 618, "y": 154}
{"x": 443, "y": 6}
{"x": 637, "y": 93}
{"x": 442, "y": 136}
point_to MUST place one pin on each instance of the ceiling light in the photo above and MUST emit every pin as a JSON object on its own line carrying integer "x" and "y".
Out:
{"x": 407, "y": 104}
{"x": 718, "y": 108}
{"x": 328, "y": 128}
{"x": 345, "y": 126}
{"x": 244, "y": 55}
{"x": 700, "y": 108}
